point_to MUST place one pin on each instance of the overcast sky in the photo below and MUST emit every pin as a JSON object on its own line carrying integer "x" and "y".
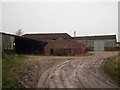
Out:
{"x": 86, "y": 18}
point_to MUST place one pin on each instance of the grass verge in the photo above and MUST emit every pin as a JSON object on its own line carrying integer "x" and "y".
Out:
{"x": 9, "y": 76}
{"x": 112, "y": 68}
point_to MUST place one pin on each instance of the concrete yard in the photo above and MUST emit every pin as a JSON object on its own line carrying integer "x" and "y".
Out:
{"x": 67, "y": 72}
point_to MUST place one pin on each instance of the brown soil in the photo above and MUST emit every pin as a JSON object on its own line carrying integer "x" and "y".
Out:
{"x": 66, "y": 72}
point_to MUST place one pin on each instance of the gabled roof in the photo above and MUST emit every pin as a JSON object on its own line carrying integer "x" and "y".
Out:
{"x": 73, "y": 44}
{"x": 48, "y": 36}
{"x": 59, "y": 43}
{"x": 96, "y": 37}
{"x": 63, "y": 44}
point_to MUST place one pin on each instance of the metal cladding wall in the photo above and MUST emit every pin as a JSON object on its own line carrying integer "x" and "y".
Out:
{"x": 0, "y": 42}
{"x": 98, "y": 45}
{"x": 109, "y": 44}
{"x": 89, "y": 44}
{"x": 23, "y": 46}
{"x": 29, "y": 46}
{"x": 16, "y": 44}
{"x": 8, "y": 43}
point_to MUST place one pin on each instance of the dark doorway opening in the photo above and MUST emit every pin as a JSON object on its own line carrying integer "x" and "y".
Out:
{"x": 51, "y": 51}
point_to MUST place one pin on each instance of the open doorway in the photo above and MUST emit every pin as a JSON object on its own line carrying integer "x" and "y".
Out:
{"x": 51, "y": 51}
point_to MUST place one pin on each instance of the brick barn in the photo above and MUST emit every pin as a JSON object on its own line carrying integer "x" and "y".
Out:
{"x": 64, "y": 47}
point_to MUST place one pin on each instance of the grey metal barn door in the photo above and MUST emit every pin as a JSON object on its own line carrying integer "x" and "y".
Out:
{"x": 98, "y": 45}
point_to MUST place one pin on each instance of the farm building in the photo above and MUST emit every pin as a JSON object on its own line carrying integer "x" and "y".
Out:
{"x": 98, "y": 43}
{"x": 8, "y": 43}
{"x": 21, "y": 45}
{"x": 47, "y": 37}
{"x": 55, "y": 43}
{"x": 29, "y": 46}
{"x": 118, "y": 46}
{"x": 64, "y": 47}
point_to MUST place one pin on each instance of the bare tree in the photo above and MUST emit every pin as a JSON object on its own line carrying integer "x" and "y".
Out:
{"x": 19, "y": 32}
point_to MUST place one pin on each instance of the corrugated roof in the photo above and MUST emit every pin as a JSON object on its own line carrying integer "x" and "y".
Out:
{"x": 48, "y": 36}
{"x": 18, "y": 36}
{"x": 97, "y": 37}
{"x": 9, "y": 34}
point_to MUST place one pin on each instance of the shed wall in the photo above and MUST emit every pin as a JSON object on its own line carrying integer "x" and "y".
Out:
{"x": 89, "y": 44}
{"x": 109, "y": 44}
{"x": 0, "y": 42}
{"x": 8, "y": 43}
{"x": 98, "y": 45}
{"x": 29, "y": 46}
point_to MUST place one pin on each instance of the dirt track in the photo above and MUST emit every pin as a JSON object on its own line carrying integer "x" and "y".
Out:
{"x": 78, "y": 72}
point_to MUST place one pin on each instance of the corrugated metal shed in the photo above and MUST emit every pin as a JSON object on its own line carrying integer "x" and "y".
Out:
{"x": 8, "y": 41}
{"x": 17, "y": 44}
{"x": 98, "y": 43}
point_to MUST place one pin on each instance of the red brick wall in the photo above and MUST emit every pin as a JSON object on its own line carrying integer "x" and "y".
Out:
{"x": 72, "y": 51}
{"x": 47, "y": 51}
{"x": 59, "y": 51}
{"x": 80, "y": 51}
{"x": 68, "y": 51}
{"x": 77, "y": 51}
{"x": 55, "y": 51}
{"x": 83, "y": 49}
{"x": 110, "y": 48}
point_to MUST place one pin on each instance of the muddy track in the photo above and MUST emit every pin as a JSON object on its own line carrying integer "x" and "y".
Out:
{"x": 78, "y": 72}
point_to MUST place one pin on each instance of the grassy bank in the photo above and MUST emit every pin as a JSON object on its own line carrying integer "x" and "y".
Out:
{"x": 9, "y": 75}
{"x": 112, "y": 68}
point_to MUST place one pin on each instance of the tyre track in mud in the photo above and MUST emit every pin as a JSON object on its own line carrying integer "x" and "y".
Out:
{"x": 79, "y": 72}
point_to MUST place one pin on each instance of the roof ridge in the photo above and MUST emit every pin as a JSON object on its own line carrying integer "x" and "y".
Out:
{"x": 43, "y": 33}
{"x": 97, "y": 36}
